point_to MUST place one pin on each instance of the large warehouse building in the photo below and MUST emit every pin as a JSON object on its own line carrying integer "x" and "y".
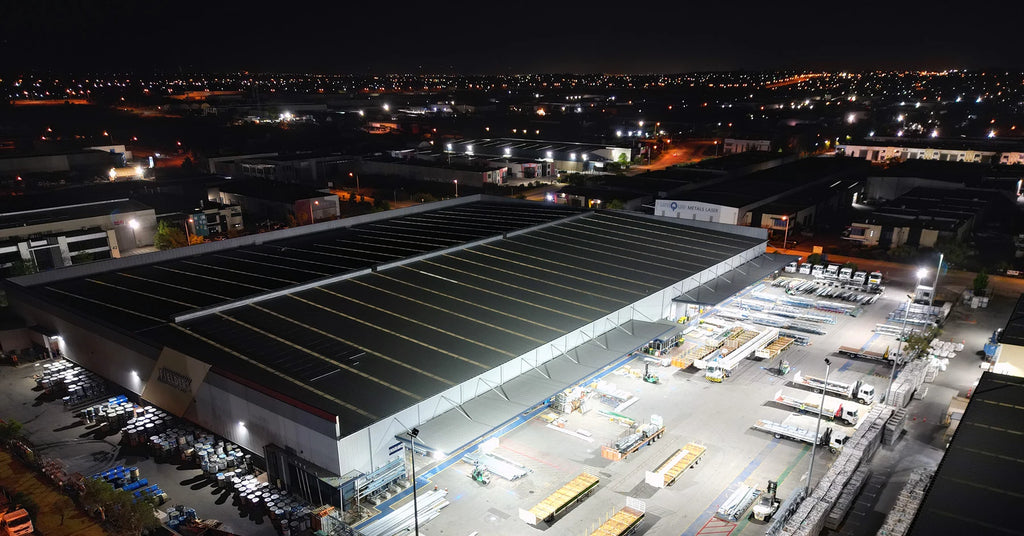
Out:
{"x": 319, "y": 347}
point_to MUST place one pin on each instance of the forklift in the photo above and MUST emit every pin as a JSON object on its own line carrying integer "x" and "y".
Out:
{"x": 768, "y": 504}
{"x": 481, "y": 475}
{"x": 650, "y": 377}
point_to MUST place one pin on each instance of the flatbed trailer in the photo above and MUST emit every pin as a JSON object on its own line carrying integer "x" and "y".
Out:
{"x": 833, "y": 440}
{"x": 855, "y": 390}
{"x": 624, "y": 522}
{"x": 774, "y": 348}
{"x": 575, "y": 491}
{"x": 669, "y": 470}
{"x": 644, "y": 436}
{"x": 850, "y": 351}
{"x": 834, "y": 409}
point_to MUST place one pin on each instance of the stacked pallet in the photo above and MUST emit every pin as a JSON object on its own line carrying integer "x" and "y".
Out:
{"x": 894, "y": 427}
{"x": 810, "y": 518}
{"x": 846, "y": 497}
{"x": 907, "y": 503}
{"x": 910, "y": 379}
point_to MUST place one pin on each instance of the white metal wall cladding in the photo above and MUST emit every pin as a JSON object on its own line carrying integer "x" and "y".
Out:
{"x": 366, "y": 449}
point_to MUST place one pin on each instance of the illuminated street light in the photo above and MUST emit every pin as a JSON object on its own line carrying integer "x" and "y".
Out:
{"x": 456, "y": 181}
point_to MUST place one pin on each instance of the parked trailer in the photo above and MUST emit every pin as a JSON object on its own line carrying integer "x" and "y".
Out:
{"x": 670, "y": 469}
{"x": 833, "y": 440}
{"x": 641, "y": 437}
{"x": 855, "y": 390}
{"x": 624, "y": 522}
{"x": 774, "y": 348}
{"x": 850, "y": 351}
{"x": 575, "y": 491}
{"x": 833, "y": 409}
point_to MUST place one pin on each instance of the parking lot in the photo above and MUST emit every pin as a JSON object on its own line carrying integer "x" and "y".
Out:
{"x": 720, "y": 417}
{"x": 90, "y": 448}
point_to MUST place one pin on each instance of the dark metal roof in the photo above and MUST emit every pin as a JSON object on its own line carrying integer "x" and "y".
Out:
{"x": 979, "y": 482}
{"x": 371, "y": 345}
{"x": 1013, "y": 333}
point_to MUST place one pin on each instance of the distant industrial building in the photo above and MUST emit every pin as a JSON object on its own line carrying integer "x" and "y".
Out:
{"x": 469, "y": 172}
{"x": 262, "y": 200}
{"x": 893, "y": 180}
{"x": 734, "y": 146}
{"x": 988, "y": 151}
{"x": 56, "y": 235}
{"x": 760, "y": 199}
{"x": 315, "y": 170}
{"x": 562, "y": 157}
{"x": 97, "y": 161}
{"x": 924, "y": 216}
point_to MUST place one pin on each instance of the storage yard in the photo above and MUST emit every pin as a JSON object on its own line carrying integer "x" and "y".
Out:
{"x": 666, "y": 413}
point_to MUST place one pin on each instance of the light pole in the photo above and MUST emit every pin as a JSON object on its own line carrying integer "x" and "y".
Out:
{"x": 456, "y": 181}
{"x": 134, "y": 224}
{"x": 356, "y": 175}
{"x": 311, "y": 219}
{"x": 903, "y": 334}
{"x": 785, "y": 236}
{"x": 188, "y": 239}
{"x": 817, "y": 429}
{"x": 935, "y": 284}
{"x": 415, "y": 509}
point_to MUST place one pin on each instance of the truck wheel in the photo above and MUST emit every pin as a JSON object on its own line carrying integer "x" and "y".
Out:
{"x": 778, "y": 436}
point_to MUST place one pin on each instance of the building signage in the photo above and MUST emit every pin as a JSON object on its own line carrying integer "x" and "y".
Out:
{"x": 176, "y": 380}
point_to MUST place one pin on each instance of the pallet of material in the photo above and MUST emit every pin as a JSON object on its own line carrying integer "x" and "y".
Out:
{"x": 576, "y": 490}
{"x": 682, "y": 362}
{"x": 739, "y": 338}
{"x": 700, "y": 352}
{"x": 669, "y": 470}
{"x": 623, "y": 522}
{"x": 774, "y": 348}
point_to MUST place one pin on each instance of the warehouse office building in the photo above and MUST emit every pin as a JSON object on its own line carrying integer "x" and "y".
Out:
{"x": 319, "y": 347}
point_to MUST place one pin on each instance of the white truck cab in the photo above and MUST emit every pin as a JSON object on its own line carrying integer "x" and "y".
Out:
{"x": 791, "y": 267}
{"x": 875, "y": 278}
{"x": 832, "y": 271}
{"x": 805, "y": 268}
{"x": 845, "y": 274}
{"x": 859, "y": 278}
{"x": 818, "y": 270}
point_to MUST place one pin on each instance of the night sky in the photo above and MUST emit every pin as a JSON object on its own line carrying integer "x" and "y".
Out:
{"x": 503, "y": 36}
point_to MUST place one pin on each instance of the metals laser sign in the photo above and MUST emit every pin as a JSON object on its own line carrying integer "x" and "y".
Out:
{"x": 176, "y": 380}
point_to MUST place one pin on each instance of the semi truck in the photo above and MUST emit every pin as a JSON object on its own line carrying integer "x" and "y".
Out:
{"x": 845, "y": 273}
{"x": 855, "y": 390}
{"x": 850, "y": 351}
{"x": 875, "y": 279}
{"x": 828, "y": 438}
{"x": 833, "y": 409}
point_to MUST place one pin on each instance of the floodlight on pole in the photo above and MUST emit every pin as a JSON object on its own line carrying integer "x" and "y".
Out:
{"x": 415, "y": 508}
{"x": 785, "y": 237}
{"x": 817, "y": 429}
